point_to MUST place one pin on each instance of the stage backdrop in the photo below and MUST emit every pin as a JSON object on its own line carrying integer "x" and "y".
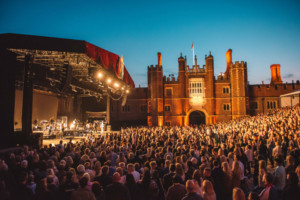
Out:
{"x": 44, "y": 107}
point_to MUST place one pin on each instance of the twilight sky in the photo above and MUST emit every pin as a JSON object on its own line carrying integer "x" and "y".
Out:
{"x": 260, "y": 32}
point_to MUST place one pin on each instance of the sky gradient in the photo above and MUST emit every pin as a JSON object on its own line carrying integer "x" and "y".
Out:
{"x": 259, "y": 32}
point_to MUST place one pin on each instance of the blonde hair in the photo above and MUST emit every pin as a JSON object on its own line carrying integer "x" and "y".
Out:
{"x": 226, "y": 169}
{"x": 297, "y": 170}
{"x": 238, "y": 194}
{"x": 179, "y": 169}
{"x": 208, "y": 187}
{"x": 262, "y": 165}
{"x": 236, "y": 167}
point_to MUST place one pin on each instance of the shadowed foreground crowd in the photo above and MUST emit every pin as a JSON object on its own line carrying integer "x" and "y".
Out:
{"x": 249, "y": 158}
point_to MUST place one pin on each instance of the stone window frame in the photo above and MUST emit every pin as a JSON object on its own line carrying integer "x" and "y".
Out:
{"x": 256, "y": 105}
{"x": 226, "y": 90}
{"x": 168, "y": 123}
{"x": 226, "y": 106}
{"x": 271, "y": 104}
{"x": 167, "y": 106}
{"x": 126, "y": 108}
{"x": 196, "y": 87}
{"x": 168, "y": 88}
{"x": 142, "y": 110}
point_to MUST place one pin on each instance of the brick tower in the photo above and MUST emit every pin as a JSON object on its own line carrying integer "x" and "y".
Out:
{"x": 210, "y": 88}
{"x": 239, "y": 89}
{"x": 155, "y": 94}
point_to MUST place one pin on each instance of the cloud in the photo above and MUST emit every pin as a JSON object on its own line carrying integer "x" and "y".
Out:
{"x": 141, "y": 74}
{"x": 288, "y": 76}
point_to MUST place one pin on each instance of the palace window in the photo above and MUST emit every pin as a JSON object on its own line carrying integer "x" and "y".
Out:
{"x": 196, "y": 88}
{"x": 271, "y": 104}
{"x": 126, "y": 108}
{"x": 143, "y": 108}
{"x": 167, "y": 108}
{"x": 167, "y": 123}
{"x": 169, "y": 92}
{"x": 254, "y": 105}
{"x": 226, "y": 106}
{"x": 225, "y": 90}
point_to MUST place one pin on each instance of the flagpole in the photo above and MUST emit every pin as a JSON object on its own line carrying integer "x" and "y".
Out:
{"x": 193, "y": 55}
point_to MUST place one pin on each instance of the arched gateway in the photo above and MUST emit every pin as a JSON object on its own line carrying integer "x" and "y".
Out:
{"x": 196, "y": 118}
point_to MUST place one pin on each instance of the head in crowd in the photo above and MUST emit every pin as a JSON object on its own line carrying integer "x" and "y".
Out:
{"x": 238, "y": 194}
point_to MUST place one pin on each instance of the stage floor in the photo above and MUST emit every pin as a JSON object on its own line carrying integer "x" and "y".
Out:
{"x": 55, "y": 141}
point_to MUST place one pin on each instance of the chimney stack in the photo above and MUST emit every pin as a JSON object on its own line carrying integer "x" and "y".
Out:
{"x": 228, "y": 60}
{"x": 275, "y": 74}
{"x": 159, "y": 58}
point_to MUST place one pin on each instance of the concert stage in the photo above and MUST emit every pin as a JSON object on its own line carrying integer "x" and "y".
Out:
{"x": 66, "y": 139}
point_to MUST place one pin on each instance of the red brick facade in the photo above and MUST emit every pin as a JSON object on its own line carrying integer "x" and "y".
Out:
{"x": 197, "y": 95}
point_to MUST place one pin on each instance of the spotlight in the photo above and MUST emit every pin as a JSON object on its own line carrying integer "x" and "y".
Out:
{"x": 127, "y": 91}
{"x": 108, "y": 80}
{"x": 99, "y": 75}
{"x": 122, "y": 88}
{"x": 116, "y": 85}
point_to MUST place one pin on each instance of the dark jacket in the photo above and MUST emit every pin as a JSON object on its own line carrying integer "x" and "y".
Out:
{"x": 291, "y": 192}
{"x": 104, "y": 180}
{"x": 117, "y": 191}
{"x": 83, "y": 194}
{"x": 192, "y": 196}
{"x": 176, "y": 192}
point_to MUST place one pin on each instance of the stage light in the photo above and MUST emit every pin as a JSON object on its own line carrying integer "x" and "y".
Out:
{"x": 99, "y": 75}
{"x": 109, "y": 80}
{"x": 117, "y": 85}
{"x": 127, "y": 91}
{"x": 122, "y": 88}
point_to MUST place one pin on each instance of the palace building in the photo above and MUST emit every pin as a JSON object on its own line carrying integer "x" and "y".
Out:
{"x": 198, "y": 97}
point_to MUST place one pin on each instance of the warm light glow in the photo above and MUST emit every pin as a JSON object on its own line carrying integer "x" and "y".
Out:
{"x": 99, "y": 75}
{"x": 109, "y": 80}
{"x": 160, "y": 121}
{"x": 72, "y": 126}
{"x": 117, "y": 85}
{"x": 127, "y": 91}
{"x": 197, "y": 100}
{"x": 122, "y": 88}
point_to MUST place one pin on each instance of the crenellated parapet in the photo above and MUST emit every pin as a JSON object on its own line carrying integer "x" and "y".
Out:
{"x": 153, "y": 68}
{"x": 170, "y": 80}
{"x": 238, "y": 64}
{"x": 273, "y": 89}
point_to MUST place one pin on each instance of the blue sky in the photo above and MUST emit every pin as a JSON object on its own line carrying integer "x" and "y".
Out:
{"x": 259, "y": 32}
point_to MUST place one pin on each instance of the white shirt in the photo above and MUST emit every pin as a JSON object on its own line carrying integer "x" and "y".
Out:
{"x": 242, "y": 169}
{"x": 280, "y": 176}
{"x": 249, "y": 155}
{"x": 136, "y": 176}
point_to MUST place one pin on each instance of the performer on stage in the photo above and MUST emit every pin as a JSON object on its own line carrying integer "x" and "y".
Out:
{"x": 101, "y": 126}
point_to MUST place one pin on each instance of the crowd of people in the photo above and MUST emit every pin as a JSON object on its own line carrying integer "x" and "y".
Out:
{"x": 247, "y": 158}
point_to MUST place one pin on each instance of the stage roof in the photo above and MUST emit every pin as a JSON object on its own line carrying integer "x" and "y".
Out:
{"x": 80, "y": 54}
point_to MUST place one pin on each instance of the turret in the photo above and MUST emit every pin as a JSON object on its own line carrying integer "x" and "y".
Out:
{"x": 239, "y": 89}
{"x": 181, "y": 75}
{"x": 275, "y": 74}
{"x": 209, "y": 68}
{"x": 155, "y": 93}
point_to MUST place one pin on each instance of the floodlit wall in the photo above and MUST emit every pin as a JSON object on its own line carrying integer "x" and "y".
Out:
{"x": 44, "y": 107}
{"x": 289, "y": 101}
